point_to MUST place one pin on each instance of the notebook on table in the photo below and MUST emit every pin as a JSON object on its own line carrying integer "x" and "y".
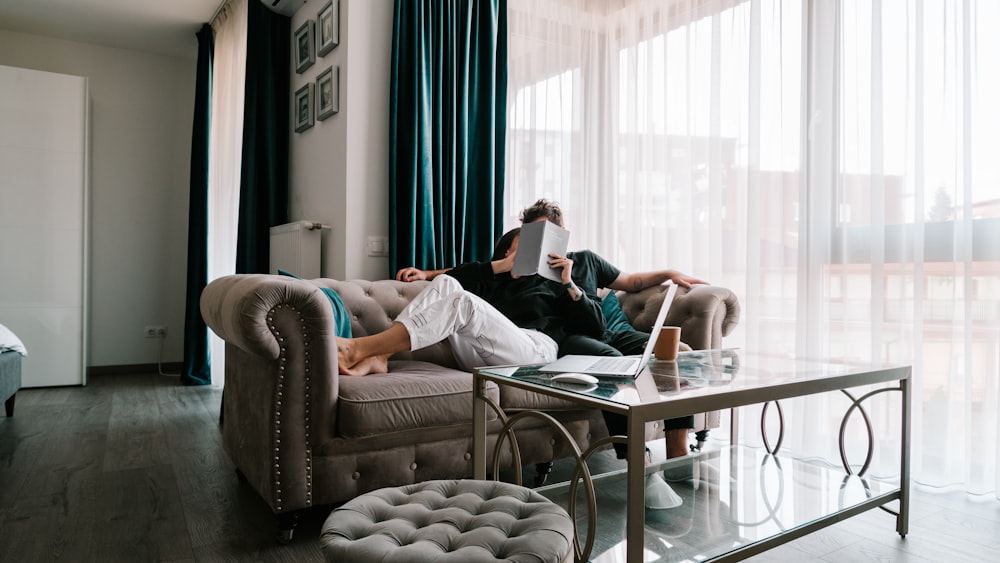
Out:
{"x": 619, "y": 366}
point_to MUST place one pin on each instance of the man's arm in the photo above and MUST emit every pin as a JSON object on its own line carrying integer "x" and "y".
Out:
{"x": 410, "y": 273}
{"x": 583, "y": 312}
{"x": 642, "y": 280}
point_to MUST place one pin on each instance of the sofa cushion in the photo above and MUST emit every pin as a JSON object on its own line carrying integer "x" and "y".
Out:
{"x": 614, "y": 317}
{"x": 514, "y": 398}
{"x": 412, "y": 395}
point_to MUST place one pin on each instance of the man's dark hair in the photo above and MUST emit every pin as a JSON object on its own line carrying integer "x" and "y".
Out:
{"x": 542, "y": 208}
{"x": 505, "y": 242}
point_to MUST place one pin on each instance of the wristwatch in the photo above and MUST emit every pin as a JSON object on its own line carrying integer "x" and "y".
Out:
{"x": 575, "y": 292}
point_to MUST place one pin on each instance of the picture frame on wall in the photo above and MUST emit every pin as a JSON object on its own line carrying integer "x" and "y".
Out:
{"x": 329, "y": 27}
{"x": 327, "y": 93}
{"x": 305, "y": 46}
{"x": 304, "y": 108}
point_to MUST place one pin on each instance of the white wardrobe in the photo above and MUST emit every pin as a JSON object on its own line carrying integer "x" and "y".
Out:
{"x": 44, "y": 171}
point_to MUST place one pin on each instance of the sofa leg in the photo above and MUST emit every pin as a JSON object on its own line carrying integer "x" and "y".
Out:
{"x": 9, "y": 405}
{"x": 287, "y": 521}
{"x": 542, "y": 471}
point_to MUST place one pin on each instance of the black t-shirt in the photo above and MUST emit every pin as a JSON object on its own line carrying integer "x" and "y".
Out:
{"x": 532, "y": 301}
{"x": 591, "y": 272}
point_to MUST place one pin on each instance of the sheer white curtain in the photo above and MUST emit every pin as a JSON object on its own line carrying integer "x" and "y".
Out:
{"x": 834, "y": 163}
{"x": 225, "y": 152}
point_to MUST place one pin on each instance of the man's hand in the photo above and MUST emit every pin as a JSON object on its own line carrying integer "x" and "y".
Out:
{"x": 506, "y": 263}
{"x": 566, "y": 274}
{"x": 410, "y": 273}
{"x": 414, "y": 274}
{"x": 685, "y": 280}
{"x": 556, "y": 261}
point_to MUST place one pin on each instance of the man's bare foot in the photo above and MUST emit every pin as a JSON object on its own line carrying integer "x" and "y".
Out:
{"x": 374, "y": 364}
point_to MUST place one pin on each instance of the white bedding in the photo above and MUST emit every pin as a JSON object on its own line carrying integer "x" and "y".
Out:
{"x": 10, "y": 342}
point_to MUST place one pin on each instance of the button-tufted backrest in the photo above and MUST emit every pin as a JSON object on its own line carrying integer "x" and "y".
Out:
{"x": 705, "y": 313}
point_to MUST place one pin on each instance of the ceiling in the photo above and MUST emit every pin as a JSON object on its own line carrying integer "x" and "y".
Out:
{"x": 165, "y": 27}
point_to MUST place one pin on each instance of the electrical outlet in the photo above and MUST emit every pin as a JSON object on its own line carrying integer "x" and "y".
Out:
{"x": 155, "y": 331}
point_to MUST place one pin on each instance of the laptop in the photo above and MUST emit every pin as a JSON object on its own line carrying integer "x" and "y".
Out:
{"x": 618, "y": 366}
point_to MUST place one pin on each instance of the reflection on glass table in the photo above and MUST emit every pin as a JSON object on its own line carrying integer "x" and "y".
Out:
{"x": 692, "y": 370}
{"x": 732, "y": 497}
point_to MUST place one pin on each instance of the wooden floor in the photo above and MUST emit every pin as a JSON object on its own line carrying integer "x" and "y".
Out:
{"x": 130, "y": 468}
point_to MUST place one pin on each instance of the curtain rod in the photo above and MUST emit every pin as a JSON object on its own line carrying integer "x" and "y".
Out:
{"x": 222, "y": 6}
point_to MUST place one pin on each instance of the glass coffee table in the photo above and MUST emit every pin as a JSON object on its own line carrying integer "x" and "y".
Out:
{"x": 735, "y": 497}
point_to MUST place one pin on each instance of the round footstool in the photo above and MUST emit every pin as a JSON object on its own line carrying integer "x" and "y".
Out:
{"x": 459, "y": 521}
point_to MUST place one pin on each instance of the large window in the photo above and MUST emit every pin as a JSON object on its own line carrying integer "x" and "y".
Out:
{"x": 833, "y": 162}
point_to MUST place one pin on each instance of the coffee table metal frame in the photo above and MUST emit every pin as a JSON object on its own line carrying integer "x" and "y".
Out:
{"x": 755, "y": 383}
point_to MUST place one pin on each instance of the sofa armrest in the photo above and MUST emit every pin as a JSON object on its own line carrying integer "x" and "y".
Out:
{"x": 286, "y": 325}
{"x": 705, "y": 313}
{"x": 286, "y": 328}
{"x": 282, "y": 381}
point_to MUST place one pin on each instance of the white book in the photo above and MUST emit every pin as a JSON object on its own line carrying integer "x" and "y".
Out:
{"x": 537, "y": 241}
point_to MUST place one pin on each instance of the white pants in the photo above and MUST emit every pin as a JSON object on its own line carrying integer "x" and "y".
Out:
{"x": 479, "y": 334}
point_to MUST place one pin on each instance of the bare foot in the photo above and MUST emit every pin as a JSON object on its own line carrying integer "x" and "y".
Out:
{"x": 374, "y": 364}
{"x": 346, "y": 357}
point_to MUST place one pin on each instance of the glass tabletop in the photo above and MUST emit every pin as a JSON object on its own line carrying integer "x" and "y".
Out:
{"x": 701, "y": 374}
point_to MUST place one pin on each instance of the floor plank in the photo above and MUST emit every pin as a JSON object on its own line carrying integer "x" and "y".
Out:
{"x": 131, "y": 468}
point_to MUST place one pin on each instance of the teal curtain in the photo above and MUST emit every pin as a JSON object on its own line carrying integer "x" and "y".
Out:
{"x": 448, "y": 92}
{"x": 196, "y": 368}
{"x": 264, "y": 167}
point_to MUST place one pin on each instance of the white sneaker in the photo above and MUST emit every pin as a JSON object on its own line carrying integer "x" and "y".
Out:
{"x": 659, "y": 495}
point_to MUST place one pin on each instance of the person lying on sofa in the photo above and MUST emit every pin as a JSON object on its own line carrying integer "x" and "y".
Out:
{"x": 590, "y": 273}
{"x": 489, "y": 316}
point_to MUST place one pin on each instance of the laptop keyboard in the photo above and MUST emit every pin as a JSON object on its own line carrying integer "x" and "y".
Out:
{"x": 612, "y": 363}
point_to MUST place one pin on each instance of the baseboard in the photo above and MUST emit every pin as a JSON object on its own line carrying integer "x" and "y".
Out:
{"x": 133, "y": 369}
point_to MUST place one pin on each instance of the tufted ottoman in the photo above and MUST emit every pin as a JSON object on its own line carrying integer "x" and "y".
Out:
{"x": 458, "y": 521}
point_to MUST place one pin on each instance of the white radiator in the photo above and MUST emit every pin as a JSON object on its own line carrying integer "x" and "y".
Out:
{"x": 296, "y": 248}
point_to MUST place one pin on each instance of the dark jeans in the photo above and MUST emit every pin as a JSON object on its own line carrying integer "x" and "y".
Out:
{"x": 618, "y": 343}
{"x": 618, "y": 426}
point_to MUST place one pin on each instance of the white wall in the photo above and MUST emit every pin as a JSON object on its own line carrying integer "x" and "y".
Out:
{"x": 43, "y": 221}
{"x": 339, "y": 167}
{"x": 141, "y": 118}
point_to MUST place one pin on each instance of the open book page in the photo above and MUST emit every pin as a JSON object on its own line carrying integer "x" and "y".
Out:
{"x": 537, "y": 241}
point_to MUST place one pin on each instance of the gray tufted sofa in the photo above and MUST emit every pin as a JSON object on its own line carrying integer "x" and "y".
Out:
{"x": 304, "y": 436}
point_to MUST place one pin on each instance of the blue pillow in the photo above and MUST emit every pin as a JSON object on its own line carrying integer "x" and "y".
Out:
{"x": 614, "y": 317}
{"x": 341, "y": 318}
